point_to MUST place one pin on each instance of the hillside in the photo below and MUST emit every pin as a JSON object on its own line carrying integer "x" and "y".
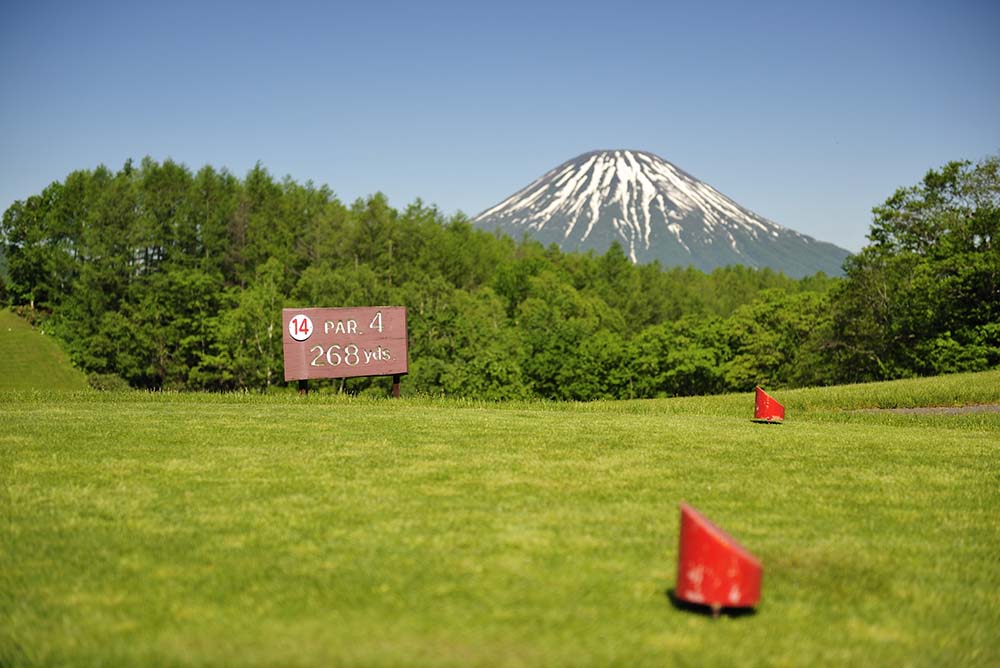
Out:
{"x": 29, "y": 360}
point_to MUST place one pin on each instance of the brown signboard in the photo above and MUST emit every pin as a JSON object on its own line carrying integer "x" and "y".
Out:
{"x": 344, "y": 342}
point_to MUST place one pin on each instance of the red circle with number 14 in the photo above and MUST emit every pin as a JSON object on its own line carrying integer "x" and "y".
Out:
{"x": 300, "y": 327}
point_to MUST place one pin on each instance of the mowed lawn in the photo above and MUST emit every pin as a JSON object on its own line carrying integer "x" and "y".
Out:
{"x": 194, "y": 530}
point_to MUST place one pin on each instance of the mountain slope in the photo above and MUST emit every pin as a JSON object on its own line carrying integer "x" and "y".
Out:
{"x": 655, "y": 211}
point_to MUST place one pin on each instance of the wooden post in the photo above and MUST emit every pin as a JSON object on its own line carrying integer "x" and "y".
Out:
{"x": 395, "y": 386}
{"x": 303, "y": 387}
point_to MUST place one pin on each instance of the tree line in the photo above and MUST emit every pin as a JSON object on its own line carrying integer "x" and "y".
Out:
{"x": 162, "y": 278}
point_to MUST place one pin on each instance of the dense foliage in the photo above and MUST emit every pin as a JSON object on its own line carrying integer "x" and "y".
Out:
{"x": 172, "y": 279}
{"x": 923, "y": 297}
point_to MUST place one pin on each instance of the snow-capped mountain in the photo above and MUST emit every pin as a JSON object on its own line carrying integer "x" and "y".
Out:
{"x": 655, "y": 211}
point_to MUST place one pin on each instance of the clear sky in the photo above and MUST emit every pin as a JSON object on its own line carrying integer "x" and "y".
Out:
{"x": 808, "y": 113}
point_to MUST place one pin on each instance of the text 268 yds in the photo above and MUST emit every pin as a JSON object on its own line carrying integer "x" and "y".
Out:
{"x": 351, "y": 355}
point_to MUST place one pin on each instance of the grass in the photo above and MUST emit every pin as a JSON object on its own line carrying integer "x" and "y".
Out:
{"x": 30, "y": 360}
{"x": 198, "y": 530}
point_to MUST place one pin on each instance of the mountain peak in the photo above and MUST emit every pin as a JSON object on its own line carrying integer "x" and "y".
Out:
{"x": 657, "y": 212}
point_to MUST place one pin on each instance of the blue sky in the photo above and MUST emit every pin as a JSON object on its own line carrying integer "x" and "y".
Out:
{"x": 808, "y": 113}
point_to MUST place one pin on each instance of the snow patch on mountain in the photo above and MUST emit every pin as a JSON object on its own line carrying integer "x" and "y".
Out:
{"x": 655, "y": 211}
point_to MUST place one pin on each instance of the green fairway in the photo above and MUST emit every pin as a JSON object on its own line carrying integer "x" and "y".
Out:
{"x": 241, "y": 530}
{"x": 29, "y": 360}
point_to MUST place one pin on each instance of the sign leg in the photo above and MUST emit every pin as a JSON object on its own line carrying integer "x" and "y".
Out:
{"x": 303, "y": 388}
{"x": 395, "y": 387}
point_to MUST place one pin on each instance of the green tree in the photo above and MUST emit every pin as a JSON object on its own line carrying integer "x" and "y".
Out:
{"x": 43, "y": 243}
{"x": 320, "y": 221}
{"x": 555, "y": 321}
{"x": 482, "y": 356}
{"x": 924, "y": 296}
{"x": 681, "y": 358}
{"x": 767, "y": 339}
{"x": 326, "y": 286}
{"x": 248, "y": 351}
{"x": 203, "y": 237}
{"x": 175, "y": 313}
{"x": 163, "y": 217}
{"x": 108, "y": 209}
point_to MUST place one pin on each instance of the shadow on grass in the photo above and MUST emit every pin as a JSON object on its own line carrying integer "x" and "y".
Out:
{"x": 706, "y": 610}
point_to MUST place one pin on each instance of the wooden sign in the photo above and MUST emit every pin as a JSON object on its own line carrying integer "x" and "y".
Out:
{"x": 344, "y": 342}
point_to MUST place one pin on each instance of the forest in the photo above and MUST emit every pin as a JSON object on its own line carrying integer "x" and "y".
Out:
{"x": 157, "y": 277}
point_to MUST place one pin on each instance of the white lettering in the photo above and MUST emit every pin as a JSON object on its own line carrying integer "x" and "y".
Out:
{"x": 332, "y": 355}
{"x": 351, "y": 353}
{"x": 349, "y": 326}
{"x": 316, "y": 360}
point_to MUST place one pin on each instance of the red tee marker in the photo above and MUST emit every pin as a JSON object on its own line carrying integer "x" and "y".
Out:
{"x": 712, "y": 568}
{"x": 766, "y": 409}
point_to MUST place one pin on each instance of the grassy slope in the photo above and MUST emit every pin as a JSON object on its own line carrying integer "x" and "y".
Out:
{"x": 239, "y": 530}
{"x": 30, "y": 360}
